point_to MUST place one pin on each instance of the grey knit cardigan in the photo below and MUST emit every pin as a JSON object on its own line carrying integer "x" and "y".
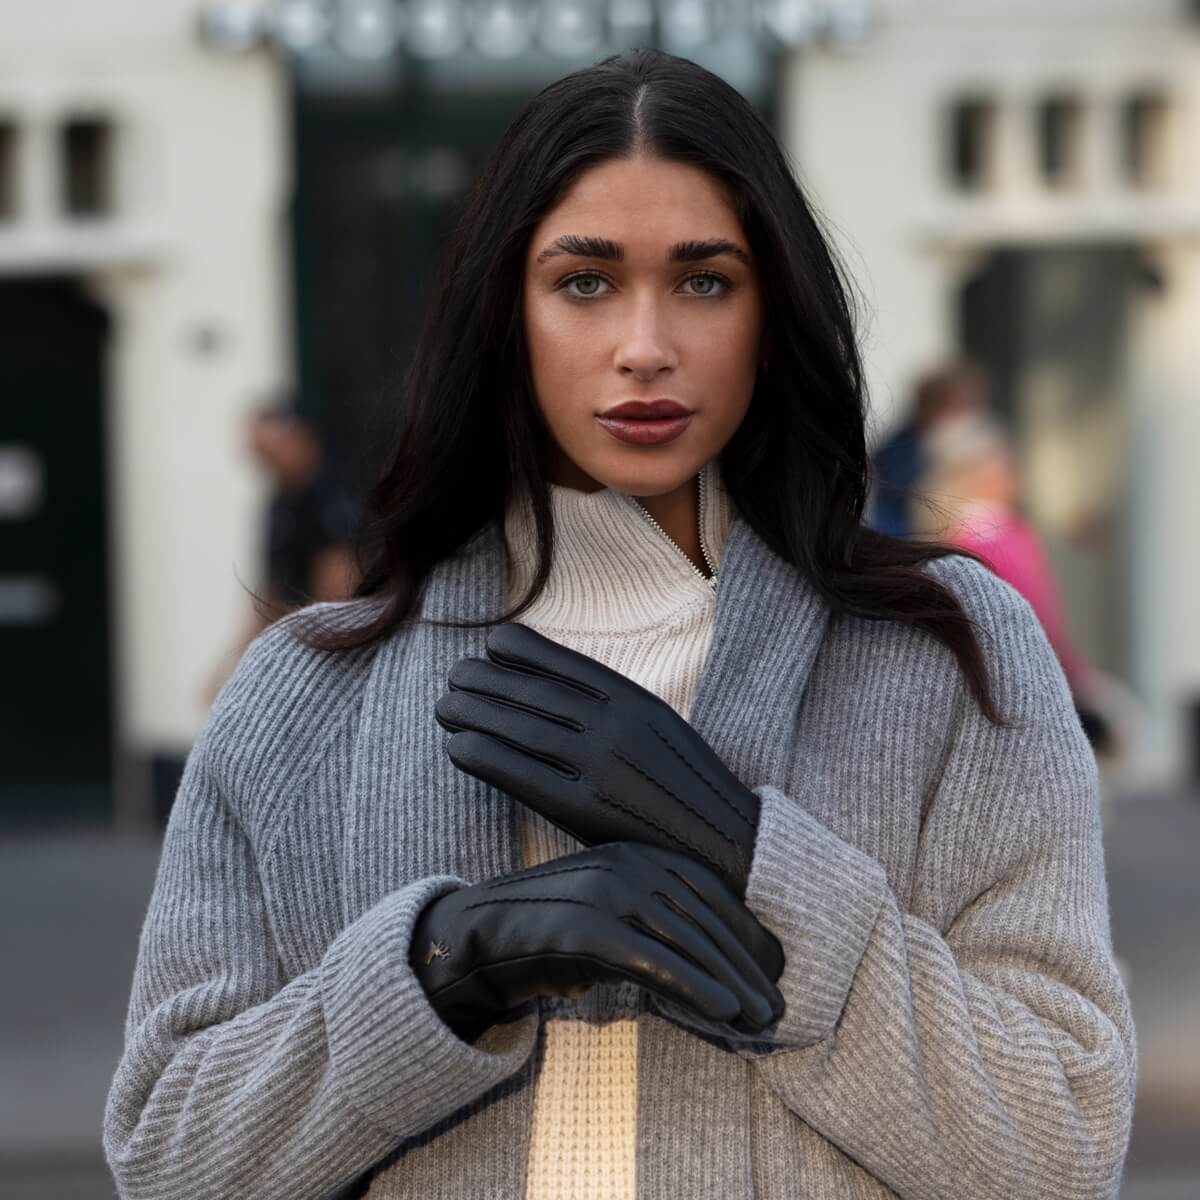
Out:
{"x": 955, "y": 1025}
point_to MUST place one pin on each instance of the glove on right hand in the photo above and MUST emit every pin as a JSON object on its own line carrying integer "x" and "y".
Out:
{"x": 614, "y": 912}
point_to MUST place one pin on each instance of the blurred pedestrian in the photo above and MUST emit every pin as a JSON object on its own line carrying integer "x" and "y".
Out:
{"x": 307, "y": 530}
{"x": 968, "y": 494}
{"x": 940, "y": 395}
{"x": 311, "y": 517}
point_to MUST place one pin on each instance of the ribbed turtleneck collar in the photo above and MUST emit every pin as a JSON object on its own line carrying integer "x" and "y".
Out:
{"x": 613, "y": 569}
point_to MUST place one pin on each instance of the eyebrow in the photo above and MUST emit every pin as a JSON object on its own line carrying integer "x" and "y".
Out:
{"x": 698, "y": 251}
{"x": 597, "y": 247}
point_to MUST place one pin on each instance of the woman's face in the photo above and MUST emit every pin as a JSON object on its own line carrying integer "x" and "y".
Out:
{"x": 639, "y": 287}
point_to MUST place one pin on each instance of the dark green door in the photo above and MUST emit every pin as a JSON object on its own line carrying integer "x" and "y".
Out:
{"x": 55, "y": 668}
{"x": 379, "y": 184}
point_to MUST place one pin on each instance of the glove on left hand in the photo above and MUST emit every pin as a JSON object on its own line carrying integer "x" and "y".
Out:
{"x": 594, "y": 753}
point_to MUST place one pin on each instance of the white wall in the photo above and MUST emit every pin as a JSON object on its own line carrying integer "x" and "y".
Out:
{"x": 195, "y": 255}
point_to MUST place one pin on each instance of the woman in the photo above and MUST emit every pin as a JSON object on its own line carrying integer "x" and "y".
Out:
{"x": 968, "y": 497}
{"x": 843, "y": 932}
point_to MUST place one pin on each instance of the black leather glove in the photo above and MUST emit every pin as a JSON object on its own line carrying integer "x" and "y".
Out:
{"x": 594, "y": 753}
{"x": 612, "y": 913}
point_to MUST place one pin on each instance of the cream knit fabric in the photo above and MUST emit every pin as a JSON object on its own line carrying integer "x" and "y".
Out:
{"x": 623, "y": 593}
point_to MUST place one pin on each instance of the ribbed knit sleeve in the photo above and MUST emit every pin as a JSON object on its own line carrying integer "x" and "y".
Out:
{"x": 237, "y": 1080}
{"x": 984, "y": 1048}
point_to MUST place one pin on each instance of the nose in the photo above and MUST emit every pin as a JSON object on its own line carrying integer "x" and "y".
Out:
{"x": 644, "y": 347}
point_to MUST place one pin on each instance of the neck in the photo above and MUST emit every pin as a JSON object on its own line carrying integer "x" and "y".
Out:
{"x": 677, "y": 511}
{"x": 613, "y": 565}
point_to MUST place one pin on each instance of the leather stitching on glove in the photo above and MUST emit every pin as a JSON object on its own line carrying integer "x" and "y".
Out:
{"x": 678, "y": 799}
{"x": 638, "y": 815}
{"x": 708, "y": 783}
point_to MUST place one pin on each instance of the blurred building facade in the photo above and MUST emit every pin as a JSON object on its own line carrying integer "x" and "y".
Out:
{"x": 218, "y": 200}
{"x": 143, "y": 266}
{"x": 1019, "y": 180}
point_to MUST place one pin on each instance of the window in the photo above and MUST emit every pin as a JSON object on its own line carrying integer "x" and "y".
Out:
{"x": 1059, "y": 133}
{"x": 1143, "y": 133}
{"x": 87, "y": 167}
{"x": 969, "y": 144}
{"x": 8, "y": 170}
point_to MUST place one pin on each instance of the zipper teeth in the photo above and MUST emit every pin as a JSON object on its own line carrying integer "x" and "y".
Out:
{"x": 701, "y": 509}
{"x": 711, "y": 581}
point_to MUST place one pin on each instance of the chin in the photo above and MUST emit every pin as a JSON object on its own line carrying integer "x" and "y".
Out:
{"x": 646, "y": 472}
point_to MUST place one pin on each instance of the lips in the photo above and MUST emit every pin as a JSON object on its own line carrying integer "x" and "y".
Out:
{"x": 642, "y": 410}
{"x": 646, "y": 423}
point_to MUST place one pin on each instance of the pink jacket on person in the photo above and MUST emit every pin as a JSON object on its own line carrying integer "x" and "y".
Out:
{"x": 1012, "y": 550}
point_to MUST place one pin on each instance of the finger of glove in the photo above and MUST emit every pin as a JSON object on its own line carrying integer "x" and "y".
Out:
{"x": 519, "y": 646}
{"x": 537, "y": 737}
{"x": 691, "y": 936}
{"x": 733, "y": 950}
{"x": 544, "y": 788}
{"x": 537, "y": 693}
{"x": 743, "y": 929}
{"x": 661, "y": 969}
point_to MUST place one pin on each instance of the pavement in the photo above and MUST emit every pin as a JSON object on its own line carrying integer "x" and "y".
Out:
{"x": 73, "y": 904}
{"x": 1152, "y": 845}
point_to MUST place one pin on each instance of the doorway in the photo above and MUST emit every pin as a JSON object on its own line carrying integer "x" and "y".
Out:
{"x": 56, "y": 709}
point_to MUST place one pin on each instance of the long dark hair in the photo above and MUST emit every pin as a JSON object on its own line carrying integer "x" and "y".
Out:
{"x": 471, "y": 436}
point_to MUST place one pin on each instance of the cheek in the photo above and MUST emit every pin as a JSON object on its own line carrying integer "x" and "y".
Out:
{"x": 722, "y": 354}
{"x": 555, "y": 348}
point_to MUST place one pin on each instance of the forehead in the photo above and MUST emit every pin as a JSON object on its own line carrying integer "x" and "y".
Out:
{"x": 642, "y": 202}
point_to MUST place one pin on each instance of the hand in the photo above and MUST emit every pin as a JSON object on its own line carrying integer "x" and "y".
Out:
{"x": 594, "y": 753}
{"x": 615, "y": 912}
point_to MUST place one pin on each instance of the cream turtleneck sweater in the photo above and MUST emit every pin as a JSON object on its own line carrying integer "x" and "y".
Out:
{"x": 623, "y": 593}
